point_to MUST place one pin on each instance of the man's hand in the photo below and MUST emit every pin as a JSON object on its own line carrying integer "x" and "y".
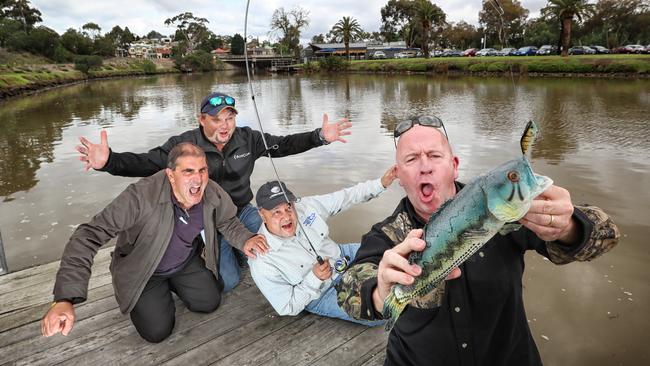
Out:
{"x": 389, "y": 176}
{"x": 255, "y": 244}
{"x": 322, "y": 271}
{"x": 94, "y": 155}
{"x": 550, "y": 216}
{"x": 333, "y": 131}
{"x": 60, "y": 318}
{"x": 395, "y": 268}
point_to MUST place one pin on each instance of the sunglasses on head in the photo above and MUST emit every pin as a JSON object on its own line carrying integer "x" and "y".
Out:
{"x": 429, "y": 121}
{"x": 220, "y": 100}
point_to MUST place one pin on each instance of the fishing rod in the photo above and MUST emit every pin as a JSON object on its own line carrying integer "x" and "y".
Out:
{"x": 266, "y": 146}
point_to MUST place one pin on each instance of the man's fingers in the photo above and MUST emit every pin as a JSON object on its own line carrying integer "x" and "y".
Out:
{"x": 345, "y": 133}
{"x": 250, "y": 253}
{"x": 84, "y": 141}
{"x": 342, "y": 140}
{"x": 455, "y": 273}
{"x": 325, "y": 119}
{"x": 67, "y": 324}
{"x": 392, "y": 259}
{"x": 104, "y": 137}
{"x": 392, "y": 276}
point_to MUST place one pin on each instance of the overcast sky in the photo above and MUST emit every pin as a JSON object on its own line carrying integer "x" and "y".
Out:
{"x": 227, "y": 17}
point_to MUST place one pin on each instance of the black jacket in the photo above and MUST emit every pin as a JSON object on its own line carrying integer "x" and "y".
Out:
{"x": 231, "y": 168}
{"x": 479, "y": 318}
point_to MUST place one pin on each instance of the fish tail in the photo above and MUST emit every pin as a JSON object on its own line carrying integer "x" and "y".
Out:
{"x": 392, "y": 310}
{"x": 528, "y": 138}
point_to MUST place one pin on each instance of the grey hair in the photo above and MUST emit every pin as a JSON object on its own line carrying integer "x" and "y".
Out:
{"x": 181, "y": 150}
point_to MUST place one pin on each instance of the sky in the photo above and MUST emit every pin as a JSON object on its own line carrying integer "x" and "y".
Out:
{"x": 226, "y": 17}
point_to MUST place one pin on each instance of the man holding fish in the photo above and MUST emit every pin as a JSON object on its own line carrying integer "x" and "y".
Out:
{"x": 477, "y": 315}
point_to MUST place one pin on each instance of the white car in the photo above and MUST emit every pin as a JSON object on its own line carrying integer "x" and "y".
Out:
{"x": 379, "y": 55}
{"x": 401, "y": 55}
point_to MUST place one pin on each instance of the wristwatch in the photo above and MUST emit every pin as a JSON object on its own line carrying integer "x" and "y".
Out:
{"x": 322, "y": 138}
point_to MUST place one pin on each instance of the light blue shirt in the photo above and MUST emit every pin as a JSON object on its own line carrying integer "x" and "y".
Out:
{"x": 284, "y": 274}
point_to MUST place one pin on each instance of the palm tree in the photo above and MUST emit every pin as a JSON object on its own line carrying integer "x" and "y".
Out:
{"x": 426, "y": 15}
{"x": 347, "y": 29}
{"x": 565, "y": 11}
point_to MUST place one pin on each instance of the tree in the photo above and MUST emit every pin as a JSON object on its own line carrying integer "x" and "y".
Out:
{"x": 503, "y": 21}
{"x": 565, "y": 11}
{"x": 154, "y": 35}
{"x": 191, "y": 31}
{"x": 76, "y": 42}
{"x": 395, "y": 16}
{"x": 237, "y": 44}
{"x": 346, "y": 30}
{"x": 287, "y": 26}
{"x": 427, "y": 15}
{"x": 540, "y": 31}
{"x": 461, "y": 35}
{"x": 21, "y": 11}
{"x": 318, "y": 38}
{"x": 91, "y": 30}
{"x": 617, "y": 22}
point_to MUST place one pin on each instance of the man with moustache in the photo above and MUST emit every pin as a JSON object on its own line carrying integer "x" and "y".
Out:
{"x": 231, "y": 152}
{"x": 477, "y": 316}
{"x": 167, "y": 241}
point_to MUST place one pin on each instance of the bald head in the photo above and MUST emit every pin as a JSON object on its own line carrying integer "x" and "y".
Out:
{"x": 426, "y": 168}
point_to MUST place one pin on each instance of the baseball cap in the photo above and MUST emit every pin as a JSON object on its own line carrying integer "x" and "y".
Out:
{"x": 215, "y": 102}
{"x": 269, "y": 195}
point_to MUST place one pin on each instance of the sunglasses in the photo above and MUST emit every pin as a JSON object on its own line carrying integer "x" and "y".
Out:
{"x": 429, "y": 121}
{"x": 217, "y": 101}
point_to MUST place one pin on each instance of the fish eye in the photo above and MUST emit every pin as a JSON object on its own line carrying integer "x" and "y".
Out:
{"x": 513, "y": 176}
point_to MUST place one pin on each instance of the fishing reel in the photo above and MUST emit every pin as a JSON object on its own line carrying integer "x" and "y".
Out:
{"x": 341, "y": 264}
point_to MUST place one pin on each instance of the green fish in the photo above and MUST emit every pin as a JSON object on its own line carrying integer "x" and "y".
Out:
{"x": 490, "y": 204}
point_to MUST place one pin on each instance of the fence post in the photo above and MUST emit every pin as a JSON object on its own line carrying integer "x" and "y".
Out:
{"x": 3, "y": 261}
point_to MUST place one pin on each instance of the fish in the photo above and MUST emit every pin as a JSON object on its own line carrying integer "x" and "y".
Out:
{"x": 490, "y": 204}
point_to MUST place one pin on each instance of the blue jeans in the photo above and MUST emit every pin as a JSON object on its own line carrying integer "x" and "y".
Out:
{"x": 228, "y": 266}
{"x": 327, "y": 304}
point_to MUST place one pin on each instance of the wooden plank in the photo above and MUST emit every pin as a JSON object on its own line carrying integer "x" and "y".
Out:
{"x": 46, "y": 274}
{"x": 41, "y": 293}
{"x": 25, "y": 316}
{"x": 106, "y": 345}
{"x": 378, "y": 359}
{"x": 238, "y": 339}
{"x": 51, "y": 267}
{"x": 357, "y": 350}
{"x": 191, "y": 329}
{"x": 305, "y": 337}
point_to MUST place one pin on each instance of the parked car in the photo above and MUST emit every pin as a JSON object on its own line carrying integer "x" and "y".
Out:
{"x": 379, "y": 55}
{"x": 526, "y": 51}
{"x": 470, "y": 52}
{"x": 487, "y": 52}
{"x": 630, "y": 48}
{"x": 599, "y": 49}
{"x": 401, "y": 55}
{"x": 508, "y": 51}
{"x": 547, "y": 50}
{"x": 452, "y": 53}
{"x": 581, "y": 50}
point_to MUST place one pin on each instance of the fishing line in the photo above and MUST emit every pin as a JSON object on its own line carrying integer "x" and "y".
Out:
{"x": 266, "y": 146}
{"x": 503, "y": 39}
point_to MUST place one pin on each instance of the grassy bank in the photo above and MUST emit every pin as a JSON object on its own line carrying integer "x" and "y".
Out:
{"x": 21, "y": 74}
{"x": 630, "y": 65}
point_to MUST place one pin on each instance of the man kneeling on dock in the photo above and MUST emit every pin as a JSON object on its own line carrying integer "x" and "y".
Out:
{"x": 167, "y": 227}
{"x": 296, "y": 274}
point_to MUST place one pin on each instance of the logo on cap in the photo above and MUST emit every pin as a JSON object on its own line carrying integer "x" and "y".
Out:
{"x": 275, "y": 189}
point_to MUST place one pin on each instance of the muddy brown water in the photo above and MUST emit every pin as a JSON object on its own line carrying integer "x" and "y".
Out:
{"x": 595, "y": 143}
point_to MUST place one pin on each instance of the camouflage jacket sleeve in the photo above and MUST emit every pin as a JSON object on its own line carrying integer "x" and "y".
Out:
{"x": 599, "y": 235}
{"x": 359, "y": 281}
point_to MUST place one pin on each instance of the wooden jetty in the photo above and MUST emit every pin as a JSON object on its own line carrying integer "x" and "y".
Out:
{"x": 245, "y": 330}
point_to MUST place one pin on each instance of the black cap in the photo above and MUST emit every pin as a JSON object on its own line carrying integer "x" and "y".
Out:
{"x": 270, "y": 195}
{"x": 211, "y": 108}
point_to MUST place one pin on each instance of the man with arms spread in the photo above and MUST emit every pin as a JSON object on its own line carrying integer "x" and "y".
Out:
{"x": 289, "y": 274}
{"x": 477, "y": 317}
{"x": 231, "y": 152}
{"x": 166, "y": 226}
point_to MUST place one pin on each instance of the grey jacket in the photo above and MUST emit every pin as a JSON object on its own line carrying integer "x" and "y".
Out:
{"x": 142, "y": 219}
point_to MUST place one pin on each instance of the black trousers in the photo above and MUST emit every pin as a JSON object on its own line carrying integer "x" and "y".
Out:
{"x": 154, "y": 313}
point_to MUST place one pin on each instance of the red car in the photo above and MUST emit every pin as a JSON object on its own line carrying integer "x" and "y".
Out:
{"x": 470, "y": 52}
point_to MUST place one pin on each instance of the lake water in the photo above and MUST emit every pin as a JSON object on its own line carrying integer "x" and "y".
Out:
{"x": 595, "y": 143}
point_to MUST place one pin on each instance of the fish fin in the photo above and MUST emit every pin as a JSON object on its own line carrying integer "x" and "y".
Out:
{"x": 528, "y": 138}
{"x": 509, "y": 227}
{"x": 471, "y": 233}
{"x": 392, "y": 309}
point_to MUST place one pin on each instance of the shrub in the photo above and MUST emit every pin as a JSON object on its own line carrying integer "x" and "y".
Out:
{"x": 148, "y": 67}
{"x": 86, "y": 63}
{"x": 333, "y": 63}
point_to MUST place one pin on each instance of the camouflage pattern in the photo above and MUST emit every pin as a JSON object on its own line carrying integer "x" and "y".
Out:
{"x": 349, "y": 289}
{"x": 397, "y": 230}
{"x": 603, "y": 238}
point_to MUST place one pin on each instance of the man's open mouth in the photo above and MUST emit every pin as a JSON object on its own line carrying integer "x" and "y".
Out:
{"x": 195, "y": 191}
{"x": 287, "y": 227}
{"x": 426, "y": 192}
